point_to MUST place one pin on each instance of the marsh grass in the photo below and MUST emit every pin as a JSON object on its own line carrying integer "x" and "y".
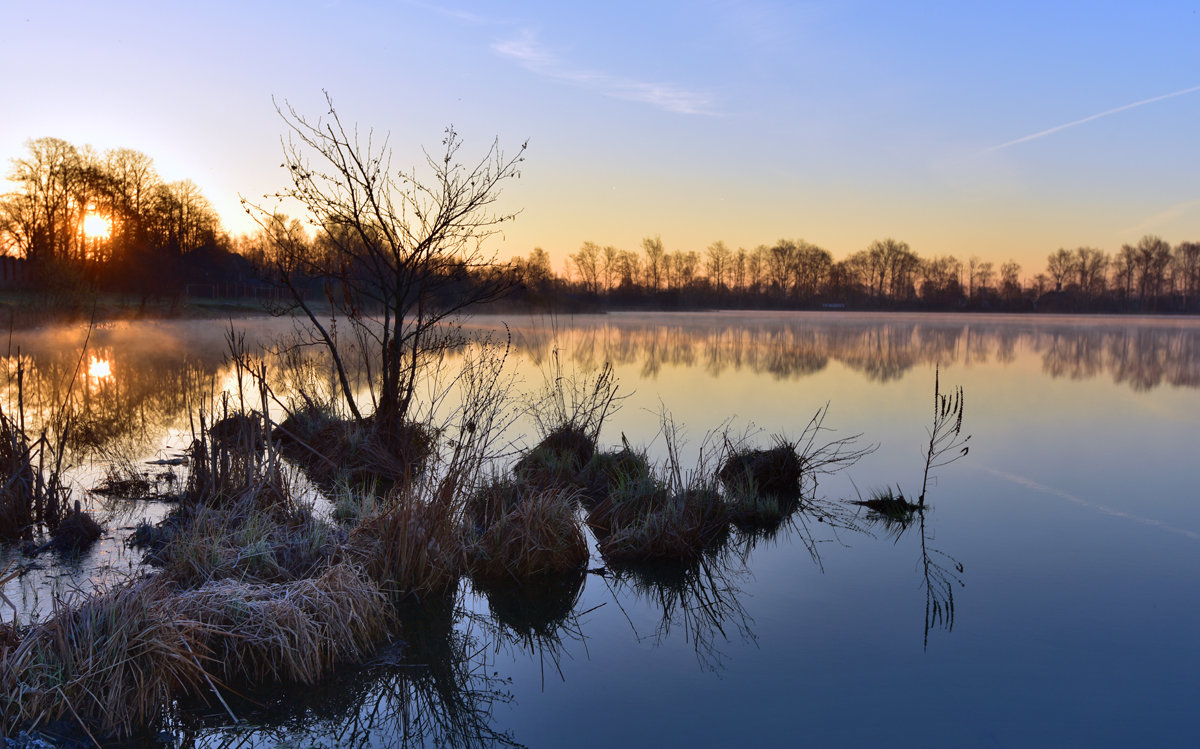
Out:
{"x": 247, "y": 541}
{"x": 259, "y": 633}
{"x": 769, "y": 472}
{"x": 32, "y": 492}
{"x": 335, "y": 451}
{"x": 76, "y": 531}
{"x": 411, "y": 548}
{"x": 608, "y": 471}
{"x": 524, "y": 536}
{"x": 558, "y": 460}
{"x": 112, "y": 662}
{"x": 116, "y": 660}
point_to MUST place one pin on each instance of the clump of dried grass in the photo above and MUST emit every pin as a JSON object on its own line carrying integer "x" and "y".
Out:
{"x": 113, "y": 662}
{"x": 608, "y": 470}
{"x": 332, "y": 450}
{"x": 558, "y": 460}
{"x": 773, "y": 471}
{"x": 295, "y": 631}
{"x": 660, "y": 525}
{"x": 76, "y": 531}
{"x": 248, "y": 540}
{"x": 411, "y": 547}
{"x": 525, "y": 536}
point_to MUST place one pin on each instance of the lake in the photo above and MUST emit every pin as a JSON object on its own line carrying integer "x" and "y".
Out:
{"x": 1069, "y": 538}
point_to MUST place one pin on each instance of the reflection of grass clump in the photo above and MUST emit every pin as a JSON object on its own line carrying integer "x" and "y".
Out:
{"x": 535, "y": 611}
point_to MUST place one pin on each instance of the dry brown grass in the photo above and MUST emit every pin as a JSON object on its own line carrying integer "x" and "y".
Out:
{"x": 115, "y": 661}
{"x": 248, "y": 540}
{"x": 411, "y": 547}
{"x": 76, "y": 531}
{"x": 290, "y": 632}
{"x": 529, "y": 535}
{"x": 773, "y": 472}
{"x": 558, "y": 460}
{"x": 650, "y": 523}
{"x": 333, "y": 451}
{"x": 111, "y": 662}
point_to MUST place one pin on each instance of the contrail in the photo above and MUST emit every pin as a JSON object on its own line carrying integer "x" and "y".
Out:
{"x": 1031, "y": 484}
{"x": 1056, "y": 128}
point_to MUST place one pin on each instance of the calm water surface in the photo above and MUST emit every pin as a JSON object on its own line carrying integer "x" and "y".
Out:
{"x": 1070, "y": 537}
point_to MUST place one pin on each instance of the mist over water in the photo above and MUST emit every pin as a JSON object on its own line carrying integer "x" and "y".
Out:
{"x": 1069, "y": 537}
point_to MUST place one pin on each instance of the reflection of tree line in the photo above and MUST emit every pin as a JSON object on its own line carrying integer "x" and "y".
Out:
{"x": 154, "y": 378}
{"x": 1143, "y": 357}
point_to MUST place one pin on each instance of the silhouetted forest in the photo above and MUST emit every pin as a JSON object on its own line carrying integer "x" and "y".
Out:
{"x": 81, "y": 220}
{"x": 1151, "y": 276}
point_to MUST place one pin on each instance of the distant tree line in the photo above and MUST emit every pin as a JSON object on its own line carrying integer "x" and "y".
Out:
{"x": 1151, "y": 276}
{"x": 83, "y": 219}
{"x": 159, "y": 236}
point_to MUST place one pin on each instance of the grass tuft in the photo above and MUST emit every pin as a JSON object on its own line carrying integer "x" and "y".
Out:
{"x": 524, "y": 536}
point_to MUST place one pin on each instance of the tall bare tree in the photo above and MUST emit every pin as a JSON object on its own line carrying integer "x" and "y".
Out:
{"x": 405, "y": 248}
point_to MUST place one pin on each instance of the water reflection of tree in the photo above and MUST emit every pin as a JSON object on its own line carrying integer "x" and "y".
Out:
{"x": 882, "y": 348}
{"x": 940, "y": 572}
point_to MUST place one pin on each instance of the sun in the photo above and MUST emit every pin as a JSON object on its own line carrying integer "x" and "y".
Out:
{"x": 96, "y": 226}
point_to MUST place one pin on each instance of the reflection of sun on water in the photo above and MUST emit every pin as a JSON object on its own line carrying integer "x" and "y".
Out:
{"x": 99, "y": 369}
{"x": 96, "y": 226}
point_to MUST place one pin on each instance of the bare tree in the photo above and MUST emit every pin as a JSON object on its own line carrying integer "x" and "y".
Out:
{"x": 655, "y": 256}
{"x": 717, "y": 265}
{"x": 1060, "y": 265}
{"x": 405, "y": 248}
{"x": 588, "y": 263}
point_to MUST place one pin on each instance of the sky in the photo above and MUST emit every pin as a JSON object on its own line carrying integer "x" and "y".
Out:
{"x": 1001, "y": 130}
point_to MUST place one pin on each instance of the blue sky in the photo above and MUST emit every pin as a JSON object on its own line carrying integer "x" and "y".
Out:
{"x": 961, "y": 128}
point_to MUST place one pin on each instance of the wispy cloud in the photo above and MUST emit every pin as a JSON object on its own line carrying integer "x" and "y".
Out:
{"x": 526, "y": 50}
{"x": 1089, "y": 118}
{"x": 1164, "y": 216}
